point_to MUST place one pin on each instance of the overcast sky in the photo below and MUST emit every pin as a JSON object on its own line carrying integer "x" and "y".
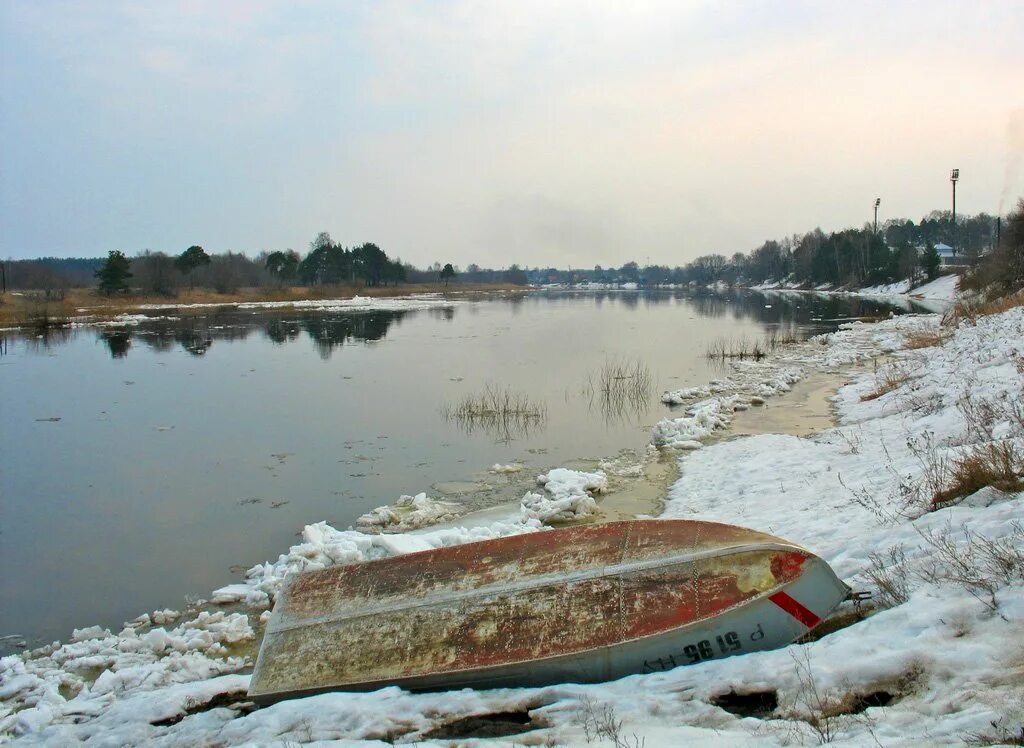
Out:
{"x": 529, "y": 132}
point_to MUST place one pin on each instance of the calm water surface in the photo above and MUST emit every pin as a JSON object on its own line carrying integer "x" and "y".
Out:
{"x": 145, "y": 464}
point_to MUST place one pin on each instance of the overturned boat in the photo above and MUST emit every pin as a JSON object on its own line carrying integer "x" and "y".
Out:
{"x": 578, "y": 604}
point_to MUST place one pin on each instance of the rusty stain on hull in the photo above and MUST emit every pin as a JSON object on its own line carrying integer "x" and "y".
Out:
{"x": 499, "y": 605}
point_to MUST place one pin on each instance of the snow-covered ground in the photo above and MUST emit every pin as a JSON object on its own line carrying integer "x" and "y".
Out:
{"x": 354, "y": 304}
{"x": 945, "y": 644}
{"x": 942, "y": 289}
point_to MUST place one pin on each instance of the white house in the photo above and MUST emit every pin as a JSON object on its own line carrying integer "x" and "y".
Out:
{"x": 947, "y": 258}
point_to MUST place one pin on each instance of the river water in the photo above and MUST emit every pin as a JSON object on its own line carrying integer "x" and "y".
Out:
{"x": 143, "y": 464}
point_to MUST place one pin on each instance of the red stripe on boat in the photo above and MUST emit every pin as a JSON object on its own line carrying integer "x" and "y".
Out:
{"x": 795, "y": 609}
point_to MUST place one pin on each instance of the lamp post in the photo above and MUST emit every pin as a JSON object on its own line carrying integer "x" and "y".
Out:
{"x": 878, "y": 201}
{"x": 953, "y": 177}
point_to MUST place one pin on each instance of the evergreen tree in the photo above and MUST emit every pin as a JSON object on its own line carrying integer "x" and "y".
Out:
{"x": 930, "y": 261}
{"x": 114, "y": 274}
{"x": 283, "y": 265}
{"x": 192, "y": 258}
{"x": 447, "y": 273}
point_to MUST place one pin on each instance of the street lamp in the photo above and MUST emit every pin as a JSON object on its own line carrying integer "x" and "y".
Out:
{"x": 953, "y": 177}
{"x": 878, "y": 201}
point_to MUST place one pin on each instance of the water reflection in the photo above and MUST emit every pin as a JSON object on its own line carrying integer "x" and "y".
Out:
{"x": 196, "y": 335}
{"x": 500, "y": 427}
{"x": 119, "y": 341}
{"x": 620, "y": 391}
{"x": 330, "y": 331}
{"x": 334, "y": 447}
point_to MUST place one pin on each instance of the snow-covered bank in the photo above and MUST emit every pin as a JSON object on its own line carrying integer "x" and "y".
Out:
{"x": 354, "y": 304}
{"x": 942, "y": 289}
{"x": 949, "y": 662}
{"x": 710, "y": 407}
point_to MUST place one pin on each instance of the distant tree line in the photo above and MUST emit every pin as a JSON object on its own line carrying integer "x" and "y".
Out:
{"x": 1001, "y": 271}
{"x": 899, "y": 249}
{"x": 153, "y": 272}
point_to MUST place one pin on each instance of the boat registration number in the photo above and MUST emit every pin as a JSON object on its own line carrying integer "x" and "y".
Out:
{"x": 705, "y": 649}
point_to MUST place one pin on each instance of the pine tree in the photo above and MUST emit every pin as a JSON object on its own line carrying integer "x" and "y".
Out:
{"x": 114, "y": 274}
{"x": 930, "y": 261}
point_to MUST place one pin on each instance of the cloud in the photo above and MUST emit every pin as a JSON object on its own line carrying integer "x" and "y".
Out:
{"x": 528, "y": 132}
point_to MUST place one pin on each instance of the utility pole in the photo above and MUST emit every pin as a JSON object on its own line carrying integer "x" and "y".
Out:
{"x": 878, "y": 201}
{"x": 953, "y": 177}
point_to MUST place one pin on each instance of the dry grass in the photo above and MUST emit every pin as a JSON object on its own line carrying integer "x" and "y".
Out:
{"x": 777, "y": 338}
{"x": 1002, "y": 732}
{"x": 924, "y": 339}
{"x": 997, "y": 464}
{"x": 889, "y": 379}
{"x": 970, "y": 310}
{"x": 981, "y": 565}
{"x": 499, "y": 412}
{"x": 620, "y": 388}
{"x": 17, "y": 307}
{"x": 742, "y": 349}
{"x": 888, "y": 574}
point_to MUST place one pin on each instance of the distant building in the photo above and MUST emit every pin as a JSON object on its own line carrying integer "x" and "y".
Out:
{"x": 947, "y": 257}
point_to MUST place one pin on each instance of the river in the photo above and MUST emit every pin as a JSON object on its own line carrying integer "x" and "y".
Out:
{"x": 148, "y": 462}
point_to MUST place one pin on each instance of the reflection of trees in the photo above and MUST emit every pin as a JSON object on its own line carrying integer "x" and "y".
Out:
{"x": 281, "y": 331}
{"x": 119, "y": 341}
{"x": 333, "y": 331}
{"x": 710, "y": 305}
{"x": 330, "y": 330}
{"x": 657, "y": 298}
{"x": 41, "y": 339}
{"x": 447, "y": 313}
{"x": 196, "y": 335}
{"x": 194, "y": 342}
{"x": 629, "y": 299}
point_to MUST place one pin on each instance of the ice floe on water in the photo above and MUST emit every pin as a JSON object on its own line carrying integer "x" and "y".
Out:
{"x": 570, "y": 496}
{"x": 937, "y": 661}
{"x": 409, "y": 513}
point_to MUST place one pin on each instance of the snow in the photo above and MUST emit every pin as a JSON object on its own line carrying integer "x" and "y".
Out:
{"x": 886, "y": 289}
{"x": 571, "y": 496}
{"x": 354, "y": 304}
{"x": 408, "y": 513}
{"x": 323, "y": 546}
{"x": 700, "y": 421}
{"x": 949, "y": 654}
{"x": 943, "y": 288}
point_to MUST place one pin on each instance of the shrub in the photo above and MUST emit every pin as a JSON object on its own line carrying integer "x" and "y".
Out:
{"x": 997, "y": 464}
{"x": 891, "y": 378}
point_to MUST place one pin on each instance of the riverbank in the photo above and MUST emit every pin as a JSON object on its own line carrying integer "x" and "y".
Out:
{"x": 935, "y": 295}
{"x": 27, "y": 309}
{"x": 940, "y": 645}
